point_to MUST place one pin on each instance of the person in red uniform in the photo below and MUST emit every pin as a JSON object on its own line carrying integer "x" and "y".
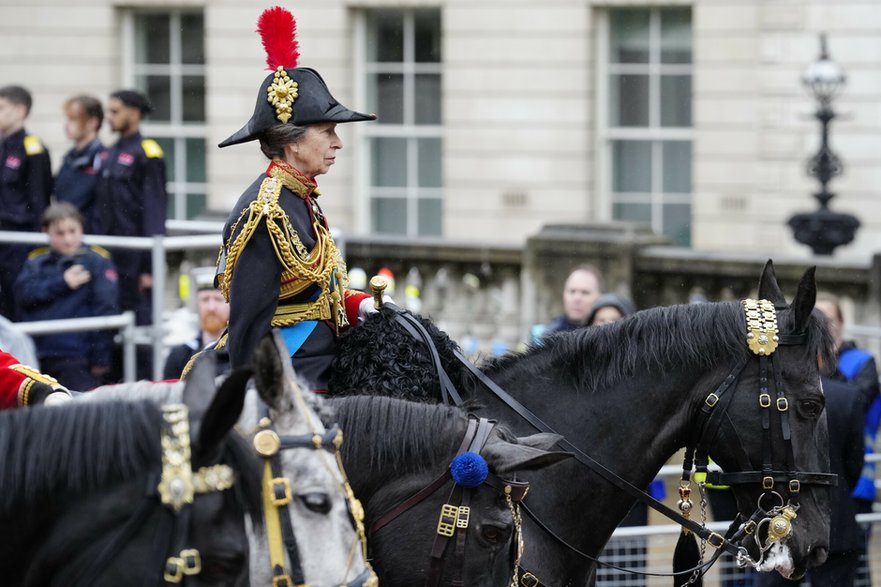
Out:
{"x": 279, "y": 265}
{"x": 21, "y": 385}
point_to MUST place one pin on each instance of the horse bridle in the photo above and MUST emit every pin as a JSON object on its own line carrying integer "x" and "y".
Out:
{"x": 762, "y": 339}
{"x": 771, "y": 508}
{"x": 277, "y": 495}
{"x": 177, "y": 487}
{"x": 456, "y": 513}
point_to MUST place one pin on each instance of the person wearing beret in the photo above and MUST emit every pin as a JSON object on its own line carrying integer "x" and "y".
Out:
{"x": 278, "y": 265}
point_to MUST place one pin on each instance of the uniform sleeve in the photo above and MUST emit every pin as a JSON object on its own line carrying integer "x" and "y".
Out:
{"x": 105, "y": 300}
{"x": 155, "y": 204}
{"x": 253, "y": 296}
{"x": 176, "y": 361}
{"x": 21, "y": 385}
{"x": 39, "y": 184}
{"x": 353, "y": 302}
{"x": 36, "y": 287}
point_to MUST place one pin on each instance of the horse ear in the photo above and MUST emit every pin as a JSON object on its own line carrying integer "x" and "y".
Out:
{"x": 508, "y": 456}
{"x": 542, "y": 441}
{"x": 269, "y": 369}
{"x": 768, "y": 287}
{"x": 805, "y": 298}
{"x": 223, "y": 413}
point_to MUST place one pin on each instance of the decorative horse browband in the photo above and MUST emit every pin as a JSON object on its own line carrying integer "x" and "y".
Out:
{"x": 468, "y": 471}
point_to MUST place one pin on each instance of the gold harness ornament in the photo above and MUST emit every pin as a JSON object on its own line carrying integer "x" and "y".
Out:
{"x": 761, "y": 326}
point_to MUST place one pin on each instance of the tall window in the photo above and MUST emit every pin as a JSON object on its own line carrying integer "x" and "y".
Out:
{"x": 648, "y": 120}
{"x": 167, "y": 63}
{"x": 402, "y": 67}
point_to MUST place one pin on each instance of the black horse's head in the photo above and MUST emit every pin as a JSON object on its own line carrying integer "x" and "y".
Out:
{"x": 774, "y": 435}
{"x": 83, "y": 484}
{"x": 396, "y": 450}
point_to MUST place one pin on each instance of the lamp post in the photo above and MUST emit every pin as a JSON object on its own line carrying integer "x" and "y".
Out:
{"x": 823, "y": 230}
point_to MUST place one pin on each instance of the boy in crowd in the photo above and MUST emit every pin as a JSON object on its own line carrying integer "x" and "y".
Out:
{"x": 69, "y": 280}
{"x": 25, "y": 186}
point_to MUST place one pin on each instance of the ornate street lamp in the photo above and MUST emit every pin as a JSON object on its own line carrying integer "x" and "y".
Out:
{"x": 823, "y": 229}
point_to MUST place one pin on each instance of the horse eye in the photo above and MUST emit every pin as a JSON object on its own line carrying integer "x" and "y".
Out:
{"x": 811, "y": 408}
{"x": 316, "y": 502}
{"x": 492, "y": 533}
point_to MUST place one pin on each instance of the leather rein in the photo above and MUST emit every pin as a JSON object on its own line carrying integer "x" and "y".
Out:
{"x": 771, "y": 508}
{"x": 456, "y": 513}
{"x": 176, "y": 488}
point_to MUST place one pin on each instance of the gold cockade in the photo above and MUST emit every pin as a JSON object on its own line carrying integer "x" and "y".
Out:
{"x": 281, "y": 94}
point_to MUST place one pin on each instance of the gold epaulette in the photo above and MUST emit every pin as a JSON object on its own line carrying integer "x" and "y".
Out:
{"x": 38, "y": 252}
{"x": 151, "y": 149}
{"x": 101, "y": 251}
{"x": 33, "y": 145}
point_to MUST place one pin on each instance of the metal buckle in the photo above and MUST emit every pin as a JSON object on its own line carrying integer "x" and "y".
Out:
{"x": 192, "y": 561}
{"x": 712, "y": 399}
{"x": 782, "y": 404}
{"x": 765, "y": 400}
{"x": 768, "y": 482}
{"x": 794, "y": 486}
{"x": 463, "y": 517}
{"x": 715, "y": 540}
{"x": 282, "y": 581}
{"x": 281, "y": 483}
{"x": 749, "y": 527}
{"x": 446, "y": 523}
{"x": 527, "y": 579}
{"x": 174, "y": 570}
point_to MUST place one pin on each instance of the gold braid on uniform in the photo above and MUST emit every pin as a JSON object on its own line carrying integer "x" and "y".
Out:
{"x": 300, "y": 268}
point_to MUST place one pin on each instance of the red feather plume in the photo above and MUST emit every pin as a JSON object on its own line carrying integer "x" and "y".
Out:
{"x": 278, "y": 29}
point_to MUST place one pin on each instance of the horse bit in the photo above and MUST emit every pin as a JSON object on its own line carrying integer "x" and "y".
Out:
{"x": 468, "y": 471}
{"x": 277, "y": 495}
{"x": 771, "y": 508}
{"x": 177, "y": 487}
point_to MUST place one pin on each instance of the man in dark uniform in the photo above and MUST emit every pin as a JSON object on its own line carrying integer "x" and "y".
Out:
{"x": 131, "y": 199}
{"x": 25, "y": 186}
{"x": 77, "y": 179}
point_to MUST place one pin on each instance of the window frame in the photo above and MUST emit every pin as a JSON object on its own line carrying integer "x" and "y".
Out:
{"x": 408, "y": 130}
{"x": 655, "y": 134}
{"x": 175, "y": 130}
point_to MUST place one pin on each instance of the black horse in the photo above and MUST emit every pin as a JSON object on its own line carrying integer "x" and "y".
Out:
{"x": 630, "y": 395}
{"x": 95, "y": 493}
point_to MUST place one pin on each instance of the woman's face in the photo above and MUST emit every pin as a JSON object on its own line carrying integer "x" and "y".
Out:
{"x": 316, "y": 150}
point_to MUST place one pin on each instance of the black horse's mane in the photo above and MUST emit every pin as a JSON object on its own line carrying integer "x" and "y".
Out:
{"x": 423, "y": 434}
{"x": 379, "y": 357}
{"x": 82, "y": 447}
{"x": 666, "y": 338}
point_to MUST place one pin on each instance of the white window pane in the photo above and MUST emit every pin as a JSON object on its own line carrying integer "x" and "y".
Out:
{"x": 676, "y": 100}
{"x": 152, "y": 42}
{"x": 677, "y": 223}
{"x": 632, "y": 166}
{"x": 193, "y": 98}
{"x": 676, "y": 35}
{"x": 385, "y": 97}
{"x": 629, "y": 36}
{"x": 385, "y": 36}
{"x": 192, "y": 36}
{"x": 427, "y": 25}
{"x": 196, "y": 204}
{"x": 157, "y": 88}
{"x": 428, "y": 99}
{"x": 677, "y": 167}
{"x": 629, "y": 100}
{"x": 429, "y": 163}
{"x": 389, "y": 157}
{"x": 389, "y": 215}
{"x": 195, "y": 160}
{"x": 632, "y": 212}
{"x": 430, "y": 216}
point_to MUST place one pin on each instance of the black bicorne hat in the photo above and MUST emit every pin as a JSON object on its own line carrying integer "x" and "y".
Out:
{"x": 290, "y": 94}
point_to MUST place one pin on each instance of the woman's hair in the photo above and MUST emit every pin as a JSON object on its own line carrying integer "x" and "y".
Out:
{"x": 274, "y": 139}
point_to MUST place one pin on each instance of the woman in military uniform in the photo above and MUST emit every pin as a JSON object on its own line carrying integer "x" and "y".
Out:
{"x": 279, "y": 266}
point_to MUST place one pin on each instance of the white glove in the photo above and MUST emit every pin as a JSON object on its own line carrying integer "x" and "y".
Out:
{"x": 366, "y": 307}
{"x": 56, "y": 398}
